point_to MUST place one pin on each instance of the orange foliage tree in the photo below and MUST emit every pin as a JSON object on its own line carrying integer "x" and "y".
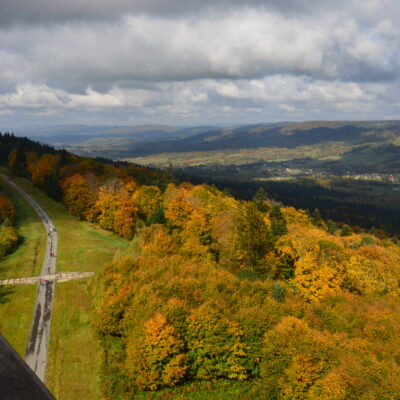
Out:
{"x": 6, "y": 208}
{"x": 79, "y": 194}
{"x": 114, "y": 209}
{"x": 157, "y": 359}
{"x": 44, "y": 167}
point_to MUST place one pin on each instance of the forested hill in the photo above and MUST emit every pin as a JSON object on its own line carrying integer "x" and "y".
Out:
{"x": 283, "y": 135}
{"x": 228, "y": 299}
{"x": 223, "y": 299}
{"x": 78, "y": 181}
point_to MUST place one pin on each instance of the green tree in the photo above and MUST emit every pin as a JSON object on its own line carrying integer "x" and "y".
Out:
{"x": 253, "y": 240}
{"x": 278, "y": 223}
{"x": 215, "y": 346}
{"x": 317, "y": 218}
{"x": 52, "y": 187}
{"x": 16, "y": 161}
{"x": 278, "y": 292}
{"x": 158, "y": 217}
{"x": 345, "y": 231}
{"x": 331, "y": 227}
{"x": 260, "y": 199}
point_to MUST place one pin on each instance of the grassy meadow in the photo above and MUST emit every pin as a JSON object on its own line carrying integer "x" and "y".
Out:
{"x": 16, "y": 312}
{"x": 325, "y": 151}
{"x": 27, "y": 259}
{"x": 17, "y": 302}
{"x": 72, "y": 358}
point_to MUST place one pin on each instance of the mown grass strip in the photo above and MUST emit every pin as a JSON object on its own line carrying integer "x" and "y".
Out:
{"x": 16, "y": 311}
{"x": 27, "y": 259}
{"x": 72, "y": 366}
{"x": 72, "y": 369}
{"x": 82, "y": 246}
{"x": 17, "y": 302}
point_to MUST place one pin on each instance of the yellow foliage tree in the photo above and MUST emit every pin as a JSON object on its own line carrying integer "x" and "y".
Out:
{"x": 294, "y": 216}
{"x": 147, "y": 199}
{"x": 303, "y": 372}
{"x": 316, "y": 277}
{"x": 196, "y": 235}
{"x": 370, "y": 270}
{"x": 333, "y": 386}
{"x": 318, "y": 259}
{"x": 157, "y": 359}
{"x": 296, "y": 357}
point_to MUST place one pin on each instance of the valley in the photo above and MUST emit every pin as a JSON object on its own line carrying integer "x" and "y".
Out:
{"x": 197, "y": 294}
{"x": 350, "y": 171}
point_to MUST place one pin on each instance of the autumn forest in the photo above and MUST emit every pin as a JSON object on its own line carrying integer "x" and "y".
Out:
{"x": 216, "y": 295}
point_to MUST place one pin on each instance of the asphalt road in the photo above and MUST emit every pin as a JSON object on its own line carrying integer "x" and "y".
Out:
{"x": 36, "y": 354}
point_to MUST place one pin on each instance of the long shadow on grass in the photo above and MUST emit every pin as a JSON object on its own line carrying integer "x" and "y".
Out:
{"x": 5, "y": 293}
{"x": 3, "y": 269}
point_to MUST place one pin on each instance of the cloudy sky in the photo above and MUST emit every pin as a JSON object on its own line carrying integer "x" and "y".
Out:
{"x": 185, "y": 62}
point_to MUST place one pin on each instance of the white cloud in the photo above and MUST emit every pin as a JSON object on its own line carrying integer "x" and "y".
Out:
{"x": 32, "y": 96}
{"x": 270, "y": 98}
{"x": 242, "y": 44}
{"x": 188, "y": 59}
{"x": 287, "y": 107}
{"x": 95, "y": 99}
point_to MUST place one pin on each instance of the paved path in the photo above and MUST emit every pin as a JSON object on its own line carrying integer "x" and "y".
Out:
{"x": 60, "y": 277}
{"x": 36, "y": 354}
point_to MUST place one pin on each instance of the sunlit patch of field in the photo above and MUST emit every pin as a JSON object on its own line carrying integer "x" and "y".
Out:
{"x": 325, "y": 151}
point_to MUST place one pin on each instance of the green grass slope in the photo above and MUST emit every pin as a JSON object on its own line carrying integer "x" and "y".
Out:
{"x": 16, "y": 312}
{"x": 27, "y": 259}
{"x": 17, "y": 302}
{"x": 72, "y": 359}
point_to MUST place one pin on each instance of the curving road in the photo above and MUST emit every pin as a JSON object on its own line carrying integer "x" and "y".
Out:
{"x": 36, "y": 354}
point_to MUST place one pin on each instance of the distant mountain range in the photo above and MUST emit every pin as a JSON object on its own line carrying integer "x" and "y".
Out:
{"x": 275, "y": 135}
{"x": 60, "y": 135}
{"x": 125, "y": 142}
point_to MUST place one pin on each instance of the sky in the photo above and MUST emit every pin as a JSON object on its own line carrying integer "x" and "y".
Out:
{"x": 191, "y": 62}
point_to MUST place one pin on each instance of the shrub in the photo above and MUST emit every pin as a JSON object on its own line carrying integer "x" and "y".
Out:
{"x": 8, "y": 238}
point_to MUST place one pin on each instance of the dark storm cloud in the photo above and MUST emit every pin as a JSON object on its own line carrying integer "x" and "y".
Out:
{"x": 36, "y": 11}
{"x": 244, "y": 44}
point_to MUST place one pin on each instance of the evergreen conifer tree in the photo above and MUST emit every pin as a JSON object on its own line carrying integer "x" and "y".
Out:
{"x": 259, "y": 200}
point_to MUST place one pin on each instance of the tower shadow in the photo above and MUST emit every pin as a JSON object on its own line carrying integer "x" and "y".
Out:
{"x": 5, "y": 293}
